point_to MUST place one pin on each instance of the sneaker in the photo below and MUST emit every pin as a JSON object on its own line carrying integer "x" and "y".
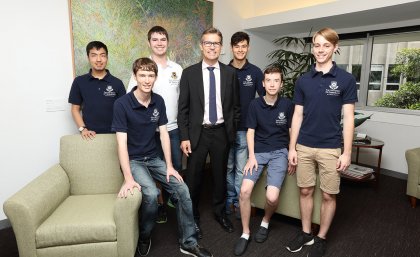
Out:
{"x": 143, "y": 247}
{"x": 161, "y": 217}
{"x": 196, "y": 251}
{"x": 299, "y": 241}
{"x": 319, "y": 247}
{"x": 240, "y": 246}
{"x": 261, "y": 235}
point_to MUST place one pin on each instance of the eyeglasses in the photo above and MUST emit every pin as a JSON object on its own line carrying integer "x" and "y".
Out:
{"x": 209, "y": 43}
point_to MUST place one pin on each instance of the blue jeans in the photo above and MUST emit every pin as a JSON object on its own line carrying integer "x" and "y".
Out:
{"x": 176, "y": 154}
{"x": 145, "y": 171}
{"x": 238, "y": 156}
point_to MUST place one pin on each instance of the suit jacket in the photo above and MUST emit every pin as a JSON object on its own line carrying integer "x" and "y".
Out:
{"x": 191, "y": 102}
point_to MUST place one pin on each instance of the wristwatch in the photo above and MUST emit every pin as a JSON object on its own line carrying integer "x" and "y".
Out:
{"x": 81, "y": 128}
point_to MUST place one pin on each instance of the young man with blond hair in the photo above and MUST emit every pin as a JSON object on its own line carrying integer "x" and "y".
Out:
{"x": 321, "y": 96}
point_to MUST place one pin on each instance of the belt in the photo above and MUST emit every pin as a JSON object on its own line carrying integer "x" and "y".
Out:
{"x": 215, "y": 126}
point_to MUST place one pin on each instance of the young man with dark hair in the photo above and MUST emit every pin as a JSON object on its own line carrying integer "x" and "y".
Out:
{"x": 250, "y": 82}
{"x": 94, "y": 94}
{"x": 208, "y": 115}
{"x": 269, "y": 119}
{"x": 166, "y": 85}
{"x": 321, "y": 96}
{"x": 137, "y": 115}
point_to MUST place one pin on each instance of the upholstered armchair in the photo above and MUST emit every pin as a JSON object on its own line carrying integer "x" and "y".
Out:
{"x": 72, "y": 209}
{"x": 413, "y": 180}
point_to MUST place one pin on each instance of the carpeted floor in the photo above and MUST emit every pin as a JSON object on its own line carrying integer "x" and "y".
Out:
{"x": 368, "y": 222}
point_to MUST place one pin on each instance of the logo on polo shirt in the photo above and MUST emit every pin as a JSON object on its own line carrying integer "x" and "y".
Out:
{"x": 248, "y": 81}
{"x": 174, "y": 80}
{"x": 174, "y": 76}
{"x": 333, "y": 89}
{"x": 155, "y": 115}
{"x": 281, "y": 119}
{"x": 109, "y": 91}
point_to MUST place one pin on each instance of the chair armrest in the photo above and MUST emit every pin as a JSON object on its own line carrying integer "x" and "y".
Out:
{"x": 413, "y": 164}
{"x": 126, "y": 216}
{"x": 31, "y": 205}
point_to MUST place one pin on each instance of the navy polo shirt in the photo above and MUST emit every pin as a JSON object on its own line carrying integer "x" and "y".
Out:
{"x": 250, "y": 81}
{"x": 140, "y": 123}
{"x": 271, "y": 123}
{"x": 322, "y": 97}
{"x": 96, "y": 98}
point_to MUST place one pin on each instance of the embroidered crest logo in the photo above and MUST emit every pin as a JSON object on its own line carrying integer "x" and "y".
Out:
{"x": 248, "y": 78}
{"x": 109, "y": 91}
{"x": 155, "y": 115}
{"x": 333, "y": 85}
{"x": 174, "y": 76}
{"x": 281, "y": 119}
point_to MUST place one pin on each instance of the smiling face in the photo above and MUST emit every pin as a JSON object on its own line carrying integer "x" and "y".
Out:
{"x": 240, "y": 50}
{"x": 158, "y": 43}
{"x": 211, "y": 46}
{"x": 145, "y": 81}
{"x": 323, "y": 50}
{"x": 272, "y": 83}
{"x": 98, "y": 59}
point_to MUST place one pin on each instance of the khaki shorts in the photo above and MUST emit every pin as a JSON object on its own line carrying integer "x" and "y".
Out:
{"x": 325, "y": 159}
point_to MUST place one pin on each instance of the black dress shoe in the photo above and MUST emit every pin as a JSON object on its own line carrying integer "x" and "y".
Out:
{"x": 197, "y": 251}
{"x": 261, "y": 235}
{"x": 225, "y": 223}
{"x": 143, "y": 247}
{"x": 198, "y": 231}
{"x": 240, "y": 246}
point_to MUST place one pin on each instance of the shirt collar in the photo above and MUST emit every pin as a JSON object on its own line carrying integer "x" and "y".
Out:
{"x": 204, "y": 65}
{"x": 169, "y": 63}
{"x": 106, "y": 78}
{"x": 135, "y": 104}
{"x": 265, "y": 105}
{"x": 332, "y": 71}
{"x": 245, "y": 67}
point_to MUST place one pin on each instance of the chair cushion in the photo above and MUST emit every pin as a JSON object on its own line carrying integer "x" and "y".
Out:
{"x": 79, "y": 219}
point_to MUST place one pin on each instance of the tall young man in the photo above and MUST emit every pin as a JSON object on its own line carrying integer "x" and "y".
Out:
{"x": 321, "y": 95}
{"x": 250, "y": 81}
{"x": 137, "y": 115}
{"x": 208, "y": 114}
{"x": 94, "y": 94}
{"x": 166, "y": 85}
{"x": 269, "y": 119}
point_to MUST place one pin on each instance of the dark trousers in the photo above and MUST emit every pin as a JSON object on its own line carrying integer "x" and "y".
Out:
{"x": 213, "y": 141}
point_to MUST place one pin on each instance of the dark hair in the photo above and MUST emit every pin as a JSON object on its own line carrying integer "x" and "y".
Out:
{"x": 159, "y": 30}
{"x": 239, "y": 37}
{"x": 213, "y": 30}
{"x": 145, "y": 64}
{"x": 97, "y": 45}
{"x": 273, "y": 69}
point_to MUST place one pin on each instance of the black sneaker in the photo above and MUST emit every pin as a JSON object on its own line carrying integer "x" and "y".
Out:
{"x": 319, "y": 247}
{"x": 161, "y": 217}
{"x": 299, "y": 241}
{"x": 196, "y": 251}
{"x": 240, "y": 246}
{"x": 261, "y": 235}
{"x": 143, "y": 247}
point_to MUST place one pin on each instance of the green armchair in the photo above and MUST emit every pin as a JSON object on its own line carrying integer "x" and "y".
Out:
{"x": 413, "y": 180}
{"x": 72, "y": 209}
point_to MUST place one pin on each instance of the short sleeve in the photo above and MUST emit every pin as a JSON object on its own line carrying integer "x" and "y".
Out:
{"x": 119, "y": 121}
{"x": 298, "y": 97}
{"x": 350, "y": 92}
{"x": 251, "y": 121}
{"x": 163, "y": 119}
{"x": 75, "y": 96}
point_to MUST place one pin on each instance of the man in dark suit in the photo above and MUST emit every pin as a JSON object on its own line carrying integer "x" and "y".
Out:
{"x": 208, "y": 115}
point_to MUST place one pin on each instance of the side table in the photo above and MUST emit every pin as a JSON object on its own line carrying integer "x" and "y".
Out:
{"x": 374, "y": 144}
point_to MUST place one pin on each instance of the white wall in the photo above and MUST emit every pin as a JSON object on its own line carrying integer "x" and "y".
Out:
{"x": 36, "y": 66}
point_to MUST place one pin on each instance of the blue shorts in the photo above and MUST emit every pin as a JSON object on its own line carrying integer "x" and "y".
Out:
{"x": 277, "y": 166}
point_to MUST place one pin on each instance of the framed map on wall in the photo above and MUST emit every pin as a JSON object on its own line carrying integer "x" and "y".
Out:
{"x": 123, "y": 25}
